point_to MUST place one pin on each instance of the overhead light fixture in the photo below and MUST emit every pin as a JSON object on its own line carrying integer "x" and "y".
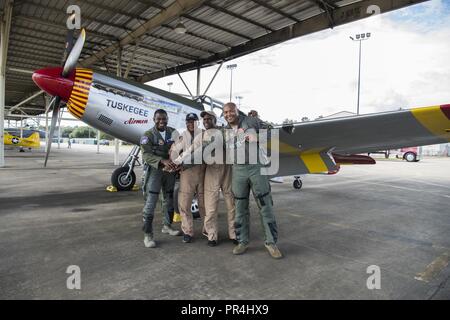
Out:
{"x": 180, "y": 28}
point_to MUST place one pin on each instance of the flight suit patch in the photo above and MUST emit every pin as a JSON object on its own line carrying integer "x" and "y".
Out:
{"x": 144, "y": 140}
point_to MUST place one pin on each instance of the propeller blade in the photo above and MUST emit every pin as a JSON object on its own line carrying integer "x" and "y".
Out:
{"x": 69, "y": 46}
{"x": 52, "y": 127}
{"x": 72, "y": 59}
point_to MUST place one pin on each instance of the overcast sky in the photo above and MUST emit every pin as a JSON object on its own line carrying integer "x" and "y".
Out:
{"x": 405, "y": 64}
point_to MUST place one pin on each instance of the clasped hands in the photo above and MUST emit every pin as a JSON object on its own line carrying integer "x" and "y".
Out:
{"x": 170, "y": 166}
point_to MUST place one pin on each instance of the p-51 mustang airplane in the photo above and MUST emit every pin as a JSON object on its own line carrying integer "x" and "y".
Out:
{"x": 124, "y": 109}
{"x": 32, "y": 141}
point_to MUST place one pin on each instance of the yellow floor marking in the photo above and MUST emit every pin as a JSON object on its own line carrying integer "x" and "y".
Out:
{"x": 176, "y": 217}
{"x": 114, "y": 189}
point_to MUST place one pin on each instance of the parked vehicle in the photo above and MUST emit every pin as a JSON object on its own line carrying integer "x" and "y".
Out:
{"x": 411, "y": 154}
{"x": 104, "y": 142}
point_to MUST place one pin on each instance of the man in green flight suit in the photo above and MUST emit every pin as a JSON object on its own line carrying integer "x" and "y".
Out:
{"x": 243, "y": 131}
{"x": 161, "y": 171}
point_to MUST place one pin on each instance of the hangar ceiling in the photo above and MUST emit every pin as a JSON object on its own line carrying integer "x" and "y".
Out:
{"x": 139, "y": 35}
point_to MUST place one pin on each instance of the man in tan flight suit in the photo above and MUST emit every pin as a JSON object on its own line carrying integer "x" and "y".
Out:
{"x": 191, "y": 177}
{"x": 217, "y": 177}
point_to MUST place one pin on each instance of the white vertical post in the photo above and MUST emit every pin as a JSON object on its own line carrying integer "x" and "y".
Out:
{"x": 198, "y": 81}
{"x": 5, "y": 26}
{"x": 231, "y": 67}
{"x": 46, "y": 122}
{"x": 59, "y": 127}
{"x": 21, "y": 128}
{"x": 98, "y": 141}
{"x": 59, "y": 136}
{"x": 359, "y": 77}
{"x": 116, "y": 152}
{"x": 2, "y": 116}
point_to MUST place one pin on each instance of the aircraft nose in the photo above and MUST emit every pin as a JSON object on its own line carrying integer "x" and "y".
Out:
{"x": 51, "y": 81}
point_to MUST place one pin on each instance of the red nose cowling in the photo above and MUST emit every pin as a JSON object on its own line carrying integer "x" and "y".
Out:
{"x": 51, "y": 81}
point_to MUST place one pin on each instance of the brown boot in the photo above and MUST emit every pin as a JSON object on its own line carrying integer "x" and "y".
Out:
{"x": 274, "y": 251}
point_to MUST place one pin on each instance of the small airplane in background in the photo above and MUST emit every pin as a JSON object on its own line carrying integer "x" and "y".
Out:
{"x": 31, "y": 141}
{"x": 124, "y": 109}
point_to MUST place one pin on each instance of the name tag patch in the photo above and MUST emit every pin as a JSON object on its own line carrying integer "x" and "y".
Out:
{"x": 144, "y": 140}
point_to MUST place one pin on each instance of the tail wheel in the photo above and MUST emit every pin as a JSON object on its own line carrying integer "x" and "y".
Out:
{"x": 297, "y": 184}
{"x": 194, "y": 205}
{"x": 195, "y": 209}
{"x": 120, "y": 180}
{"x": 410, "y": 157}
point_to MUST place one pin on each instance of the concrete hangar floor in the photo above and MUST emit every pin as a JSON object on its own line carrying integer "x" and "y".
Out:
{"x": 394, "y": 215}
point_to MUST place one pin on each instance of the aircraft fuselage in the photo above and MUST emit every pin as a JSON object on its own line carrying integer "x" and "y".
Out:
{"x": 115, "y": 106}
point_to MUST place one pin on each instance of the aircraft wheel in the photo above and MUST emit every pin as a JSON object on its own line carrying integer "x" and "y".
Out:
{"x": 297, "y": 184}
{"x": 410, "y": 156}
{"x": 119, "y": 180}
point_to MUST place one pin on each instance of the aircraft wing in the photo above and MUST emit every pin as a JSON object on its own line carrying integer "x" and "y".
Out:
{"x": 29, "y": 142}
{"x": 308, "y": 147}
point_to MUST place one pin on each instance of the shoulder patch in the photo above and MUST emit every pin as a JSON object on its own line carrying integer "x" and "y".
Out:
{"x": 144, "y": 140}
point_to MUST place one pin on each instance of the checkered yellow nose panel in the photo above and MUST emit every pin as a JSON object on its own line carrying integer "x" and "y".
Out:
{"x": 80, "y": 92}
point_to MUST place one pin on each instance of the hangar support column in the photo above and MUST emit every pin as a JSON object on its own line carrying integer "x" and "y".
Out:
{"x": 5, "y": 27}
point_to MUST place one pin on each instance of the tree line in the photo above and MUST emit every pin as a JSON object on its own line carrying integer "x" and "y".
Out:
{"x": 82, "y": 132}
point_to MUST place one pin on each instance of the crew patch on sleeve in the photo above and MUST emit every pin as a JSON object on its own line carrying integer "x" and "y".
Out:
{"x": 144, "y": 140}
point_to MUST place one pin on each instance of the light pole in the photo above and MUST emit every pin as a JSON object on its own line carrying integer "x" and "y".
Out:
{"x": 170, "y": 85}
{"x": 239, "y": 98}
{"x": 360, "y": 37}
{"x": 231, "y": 67}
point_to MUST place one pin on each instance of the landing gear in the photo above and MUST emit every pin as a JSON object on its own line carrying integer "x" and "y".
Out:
{"x": 124, "y": 178}
{"x": 297, "y": 184}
